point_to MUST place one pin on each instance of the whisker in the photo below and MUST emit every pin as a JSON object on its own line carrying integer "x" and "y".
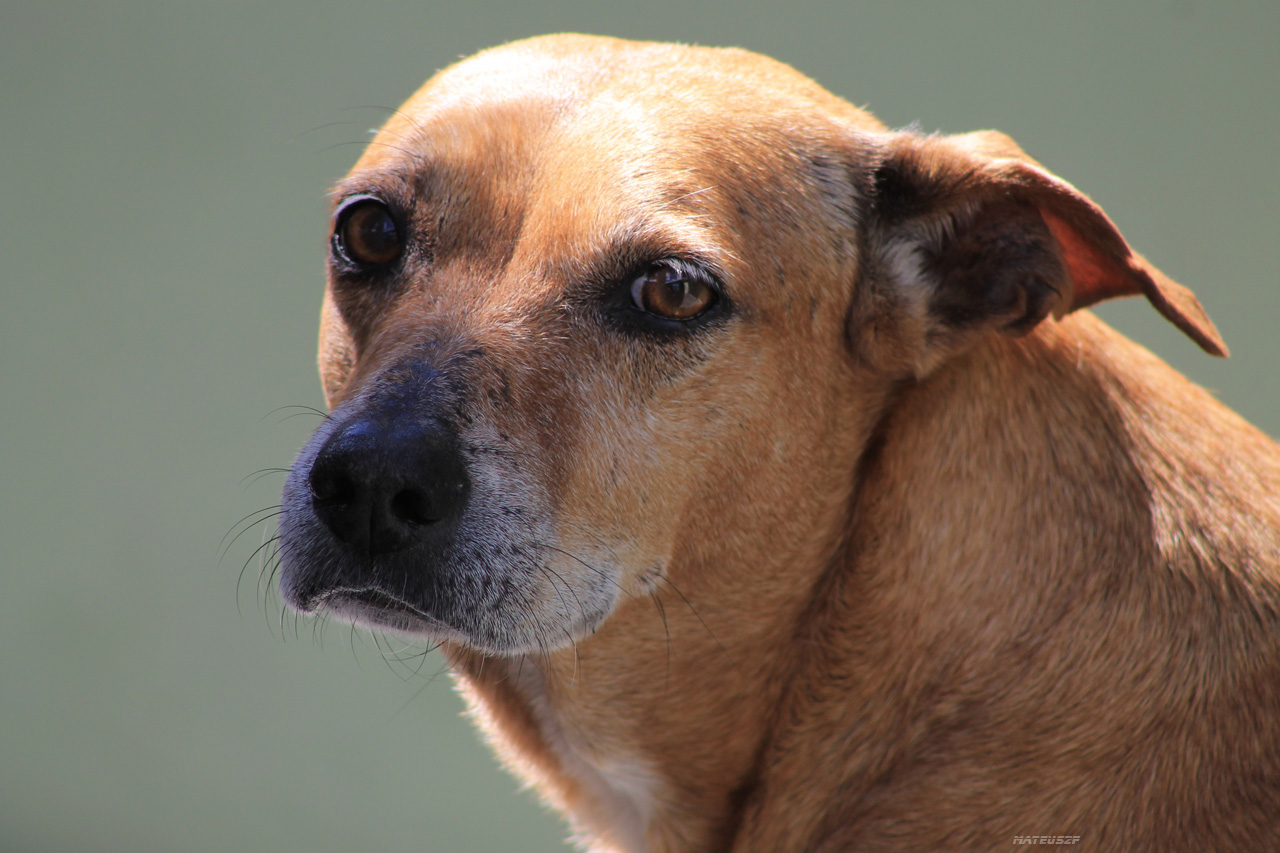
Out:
{"x": 566, "y": 585}
{"x": 662, "y": 611}
{"x": 259, "y": 474}
{"x": 601, "y": 572}
{"x": 270, "y": 554}
{"x": 599, "y": 541}
{"x": 698, "y": 616}
{"x": 266, "y": 513}
{"x": 264, "y": 547}
{"x": 690, "y": 195}
{"x": 363, "y": 143}
{"x": 351, "y": 641}
{"x": 387, "y": 654}
{"x": 572, "y": 642}
{"x": 318, "y": 127}
{"x": 270, "y": 566}
{"x": 544, "y": 654}
{"x": 266, "y": 615}
{"x": 444, "y": 667}
{"x": 411, "y": 699}
{"x": 381, "y": 108}
{"x": 407, "y": 653}
{"x": 564, "y": 605}
{"x": 317, "y": 629}
{"x": 300, "y": 410}
{"x": 346, "y": 123}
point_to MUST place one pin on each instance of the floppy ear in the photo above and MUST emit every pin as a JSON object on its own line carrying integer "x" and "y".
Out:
{"x": 967, "y": 234}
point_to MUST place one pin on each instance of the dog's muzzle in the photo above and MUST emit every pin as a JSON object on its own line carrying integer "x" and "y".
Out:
{"x": 407, "y": 511}
{"x": 373, "y": 505}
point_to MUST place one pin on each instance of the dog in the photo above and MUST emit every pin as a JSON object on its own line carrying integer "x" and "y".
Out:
{"x": 766, "y": 487}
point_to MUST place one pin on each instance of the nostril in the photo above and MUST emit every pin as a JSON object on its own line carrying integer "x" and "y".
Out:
{"x": 330, "y": 487}
{"x": 413, "y": 506}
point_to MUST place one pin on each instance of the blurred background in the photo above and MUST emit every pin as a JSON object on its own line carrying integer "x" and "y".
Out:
{"x": 164, "y": 168}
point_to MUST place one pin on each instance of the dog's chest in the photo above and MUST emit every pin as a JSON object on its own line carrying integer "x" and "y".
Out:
{"x": 610, "y": 790}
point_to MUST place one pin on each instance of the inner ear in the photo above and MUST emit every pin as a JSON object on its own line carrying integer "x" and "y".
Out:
{"x": 997, "y": 267}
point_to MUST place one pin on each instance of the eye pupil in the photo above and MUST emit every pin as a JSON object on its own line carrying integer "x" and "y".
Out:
{"x": 367, "y": 234}
{"x": 666, "y": 292}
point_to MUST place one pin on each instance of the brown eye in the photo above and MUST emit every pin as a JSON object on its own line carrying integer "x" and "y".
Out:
{"x": 666, "y": 292}
{"x": 366, "y": 234}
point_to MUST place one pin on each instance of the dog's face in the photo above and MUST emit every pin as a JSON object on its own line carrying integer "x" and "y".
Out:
{"x": 558, "y": 333}
{"x": 600, "y": 315}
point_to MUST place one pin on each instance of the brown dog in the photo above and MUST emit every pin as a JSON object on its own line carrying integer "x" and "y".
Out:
{"x": 725, "y": 441}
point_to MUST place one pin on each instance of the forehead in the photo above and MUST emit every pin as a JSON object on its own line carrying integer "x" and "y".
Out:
{"x": 600, "y": 136}
{"x": 571, "y": 74}
{"x": 624, "y": 99}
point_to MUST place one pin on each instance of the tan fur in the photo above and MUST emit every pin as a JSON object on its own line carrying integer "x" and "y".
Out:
{"x": 883, "y": 577}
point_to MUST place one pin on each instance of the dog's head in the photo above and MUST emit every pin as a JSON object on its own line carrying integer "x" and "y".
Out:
{"x": 599, "y": 312}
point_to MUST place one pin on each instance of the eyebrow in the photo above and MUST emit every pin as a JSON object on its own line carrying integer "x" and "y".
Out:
{"x": 394, "y": 183}
{"x": 631, "y": 244}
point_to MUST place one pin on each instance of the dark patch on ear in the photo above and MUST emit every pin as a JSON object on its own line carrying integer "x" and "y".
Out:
{"x": 918, "y": 186}
{"x": 1000, "y": 268}
{"x": 899, "y": 195}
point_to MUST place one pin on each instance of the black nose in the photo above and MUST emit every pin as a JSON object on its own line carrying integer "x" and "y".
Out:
{"x": 383, "y": 487}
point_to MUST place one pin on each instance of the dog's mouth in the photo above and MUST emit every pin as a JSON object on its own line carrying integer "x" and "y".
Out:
{"x": 378, "y": 609}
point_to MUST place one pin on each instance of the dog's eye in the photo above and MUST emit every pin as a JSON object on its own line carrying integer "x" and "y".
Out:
{"x": 367, "y": 234}
{"x": 667, "y": 292}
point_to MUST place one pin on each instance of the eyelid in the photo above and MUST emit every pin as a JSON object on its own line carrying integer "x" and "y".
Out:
{"x": 351, "y": 201}
{"x": 684, "y": 267}
{"x": 691, "y": 268}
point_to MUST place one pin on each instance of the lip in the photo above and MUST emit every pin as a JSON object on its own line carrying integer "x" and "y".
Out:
{"x": 379, "y": 609}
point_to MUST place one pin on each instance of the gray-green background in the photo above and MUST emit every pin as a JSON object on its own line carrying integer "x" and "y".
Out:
{"x": 164, "y": 168}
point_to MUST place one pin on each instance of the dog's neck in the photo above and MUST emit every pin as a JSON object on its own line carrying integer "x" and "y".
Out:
{"x": 636, "y": 756}
{"x": 610, "y": 730}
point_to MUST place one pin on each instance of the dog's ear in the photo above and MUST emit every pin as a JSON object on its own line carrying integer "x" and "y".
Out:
{"x": 967, "y": 234}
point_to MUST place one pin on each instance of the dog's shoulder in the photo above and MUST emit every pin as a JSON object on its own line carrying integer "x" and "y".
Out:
{"x": 1063, "y": 559}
